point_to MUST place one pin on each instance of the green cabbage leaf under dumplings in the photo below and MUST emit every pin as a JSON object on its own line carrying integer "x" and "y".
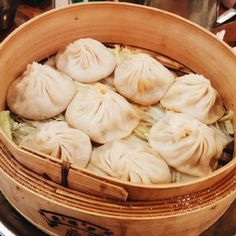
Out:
{"x": 14, "y": 130}
{"x": 6, "y": 123}
{"x": 149, "y": 115}
{"x": 123, "y": 53}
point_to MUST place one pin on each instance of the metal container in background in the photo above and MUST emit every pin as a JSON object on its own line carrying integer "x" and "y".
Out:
{"x": 202, "y": 12}
{"x": 7, "y": 13}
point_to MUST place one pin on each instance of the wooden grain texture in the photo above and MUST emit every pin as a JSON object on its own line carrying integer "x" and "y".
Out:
{"x": 51, "y": 169}
{"x": 21, "y": 227}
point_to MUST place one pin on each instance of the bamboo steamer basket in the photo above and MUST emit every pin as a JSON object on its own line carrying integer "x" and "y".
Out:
{"x": 89, "y": 204}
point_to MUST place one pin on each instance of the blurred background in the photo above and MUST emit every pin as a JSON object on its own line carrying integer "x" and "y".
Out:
{"x": 213, "y": 15}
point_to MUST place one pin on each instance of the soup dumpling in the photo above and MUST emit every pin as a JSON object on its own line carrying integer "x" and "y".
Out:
{"x": 186, "y": 144}
{"x": 101, "y": 113}
{"x": 194, "y": 95}
{"x": 86, "y": 60}
{"x": 142, "y": 79}
{"x": 40, "y": 93}
{"x": 129, "y": 161}
{"x": 57, "y": 139}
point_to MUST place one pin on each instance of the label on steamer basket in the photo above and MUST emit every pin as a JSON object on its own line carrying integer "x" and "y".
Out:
{"x": 70, "y": 226}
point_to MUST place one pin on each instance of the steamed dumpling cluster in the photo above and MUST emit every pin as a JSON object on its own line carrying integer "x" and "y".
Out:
{"x": 177, "y": 138}
{"x": 186, "y": 144}
{"x": 101, "y": 113}
{"x": 60, "y": 141}
{"x": 194, "y": 95}
{"x": 40, "y": 93}
{"x": 129, "y": 161}
{"x": 142, "y": 79}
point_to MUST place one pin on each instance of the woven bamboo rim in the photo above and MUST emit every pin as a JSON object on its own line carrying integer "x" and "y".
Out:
{"x": 158, "y": 208}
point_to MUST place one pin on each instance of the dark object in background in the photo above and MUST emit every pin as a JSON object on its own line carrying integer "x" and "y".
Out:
{"x": 76, "y": 1}
{"x": 7, "y": 13}
{"x": 229, "y": 3}
{"x": 33, "y": 2}
{"x": 202, "y": 12}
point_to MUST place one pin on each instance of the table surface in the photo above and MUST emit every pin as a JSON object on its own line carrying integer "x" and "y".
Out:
{"x": 226, "y": 225}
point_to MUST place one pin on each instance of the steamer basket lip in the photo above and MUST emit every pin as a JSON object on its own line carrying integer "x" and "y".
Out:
{"x": 94, "y": 213}
{"x": 132, "y": 218}
{"x": 124, "y": 6}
